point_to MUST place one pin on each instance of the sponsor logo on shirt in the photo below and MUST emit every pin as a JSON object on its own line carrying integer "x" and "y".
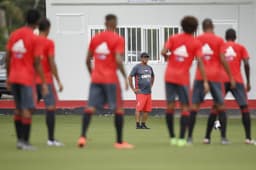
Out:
{"x": 102, "y": 51}
{"x": 207, "y": 52}
{"x": 19, "y": 49}
{"x": 230, "y": 54}
{"x": 181, "y": 53}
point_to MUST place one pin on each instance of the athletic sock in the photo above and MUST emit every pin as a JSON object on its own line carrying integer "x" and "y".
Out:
{"x": 192, "y": 121}
{"x": 137, "y": 124}
{"x": 246, "y": 122}
{"x": 170, "y": 123}
{"x": 50, "y": 122}
{"x": 18, "y": 126}
{"x": 184, "y": 121}
{"x": 86, "y": 119}
{"x": 223, "y": 123}
{"x": 26, "y": 126}
{"x": 210, "y": 123}
{"x": 119, "y": 122}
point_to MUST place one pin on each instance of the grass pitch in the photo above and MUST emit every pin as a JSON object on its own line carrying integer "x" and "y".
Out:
{"x": 152, "y": 151}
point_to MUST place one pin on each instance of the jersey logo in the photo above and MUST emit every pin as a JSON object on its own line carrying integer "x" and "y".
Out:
{"x": 181, "y": 53}
{"x": 102, "y": 50}
{"x": 207, "y": 52}
{"x": 19, "y": 49}
{"x": 230, "y": 54}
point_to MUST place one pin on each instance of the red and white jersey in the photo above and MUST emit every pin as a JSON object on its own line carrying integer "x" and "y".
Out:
{"x": 184, "y": 48}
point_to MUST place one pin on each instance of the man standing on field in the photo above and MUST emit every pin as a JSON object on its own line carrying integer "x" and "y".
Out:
{"x": 144, "y": 80}
{"x": 106, "y": 48}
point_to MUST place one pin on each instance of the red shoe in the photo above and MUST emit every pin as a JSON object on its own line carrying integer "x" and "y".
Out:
{"x": 123, "y": 145}
{"x": 81, "y": 142}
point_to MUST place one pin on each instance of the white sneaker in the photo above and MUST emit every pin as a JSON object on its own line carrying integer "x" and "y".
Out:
{"x": 250, "y": 142}
{"x": 54, "y": 143}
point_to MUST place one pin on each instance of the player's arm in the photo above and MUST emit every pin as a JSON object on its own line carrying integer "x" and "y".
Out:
{"x": 227, "y": 69}
{"x": 202, "y": 71}
{"x": 247, "y": 73}
{"x": 119, "y": 62}
{"x": 164, "y": 53}
{"x": 88, "y": 61}
{"x": 39, "y": 71}
{"x": 7, "y": 64}
{"x": 152, "y": 78}
{"x": 130, "y": 79}
{"x": 54, "y": 70}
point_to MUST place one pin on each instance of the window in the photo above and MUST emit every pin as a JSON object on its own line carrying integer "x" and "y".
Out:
{"x": 139, "y": 39}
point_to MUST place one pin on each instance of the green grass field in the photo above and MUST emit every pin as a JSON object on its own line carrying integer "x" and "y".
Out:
{"x": 152, "y": 151}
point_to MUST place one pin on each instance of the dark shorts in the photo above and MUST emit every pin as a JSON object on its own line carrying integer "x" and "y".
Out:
{"x": 172, "y": 90}
{"x": 239, "y": 93}
{"x": 216, "y": 90}
{"x": 24, "y": 96}
{"x": 50, "y": 98}
{"x": 101, "y": 94}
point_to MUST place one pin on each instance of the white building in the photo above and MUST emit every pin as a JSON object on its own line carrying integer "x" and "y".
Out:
{"x": 145, "y": 24}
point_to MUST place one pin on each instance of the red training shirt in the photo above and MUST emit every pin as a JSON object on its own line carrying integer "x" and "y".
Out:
{"x": 48, "y": 51}
{"x": 234, "y": 54}
{"x": 23, "y": 48}
{"x": 211, "y": 45}
{"x": 184, "y": 48}
{"x": 104, "y": 47}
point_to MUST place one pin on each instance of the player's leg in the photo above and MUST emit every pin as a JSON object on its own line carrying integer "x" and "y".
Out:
{"x": 183, "y": 93}
{"x": 217, "y": 92}
{"x": 17, "y": 117}
{"x": 147, "y": 108}
{"x": 197, "y": 99}
{"x": 240, "y": 95}
{"x": 114, "y": 100}
{"x": 139, "y": 107}
{"x": 27, "y": 105}
{"x": 50, "y": 103}
{"x": 96, "y": 99}
{"x": 170, "y": 91}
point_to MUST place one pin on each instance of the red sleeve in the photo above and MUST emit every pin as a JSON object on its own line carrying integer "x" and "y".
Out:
{"x": 37, "y": 47}
{"x": 120, "y": 46}
{"x": 244, "y": 53}
{"x": 9, "y": 44}
{"x": 223, "y": 48}
{"x": 91, "y": 45}
{"x": 51, "y": 49}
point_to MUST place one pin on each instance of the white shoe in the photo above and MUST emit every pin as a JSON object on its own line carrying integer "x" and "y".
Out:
{"x": 250, "y": 142}
{"x": 54, "y": 143}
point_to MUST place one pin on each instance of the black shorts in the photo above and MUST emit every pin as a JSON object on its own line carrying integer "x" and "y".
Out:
{"x": 101, "y": 94}
{"x": 215, "y": 90}
{"x": 50, "y": 98}
{"x": 24, "y": 96}
{"x": 172, "y": 90}
{"x": 239, "y": 93}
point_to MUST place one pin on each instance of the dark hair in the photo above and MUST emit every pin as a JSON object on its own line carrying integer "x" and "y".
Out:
{"x": 44, "y": 24}
{"x": 189, "y": 24}
{"x": 32, "y": 17}
{"x": 230, "y": 34}
{"x": 207, "y": 24}
{"x": 110, "y": 17}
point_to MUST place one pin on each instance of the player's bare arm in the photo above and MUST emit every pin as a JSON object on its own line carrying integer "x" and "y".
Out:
{"x": 88, "y": 61}
{"x": 119, "y": 61}
{"x": 247, "y": 74}
{"x": 7, "y": 63}
{"x": 227, "y": 69}
{"x": 152, "y": 81}
{"x": 202, "y": 71}
{"x": 39, "y": 71}
{"x": 54, "y": 70}
{"x": 164, "y": 53}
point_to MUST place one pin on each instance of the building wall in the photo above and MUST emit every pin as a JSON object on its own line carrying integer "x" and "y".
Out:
{"x": 71, "y": 22}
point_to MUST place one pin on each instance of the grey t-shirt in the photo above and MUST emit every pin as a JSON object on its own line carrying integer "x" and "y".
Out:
{"x": 143, "y": 75}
